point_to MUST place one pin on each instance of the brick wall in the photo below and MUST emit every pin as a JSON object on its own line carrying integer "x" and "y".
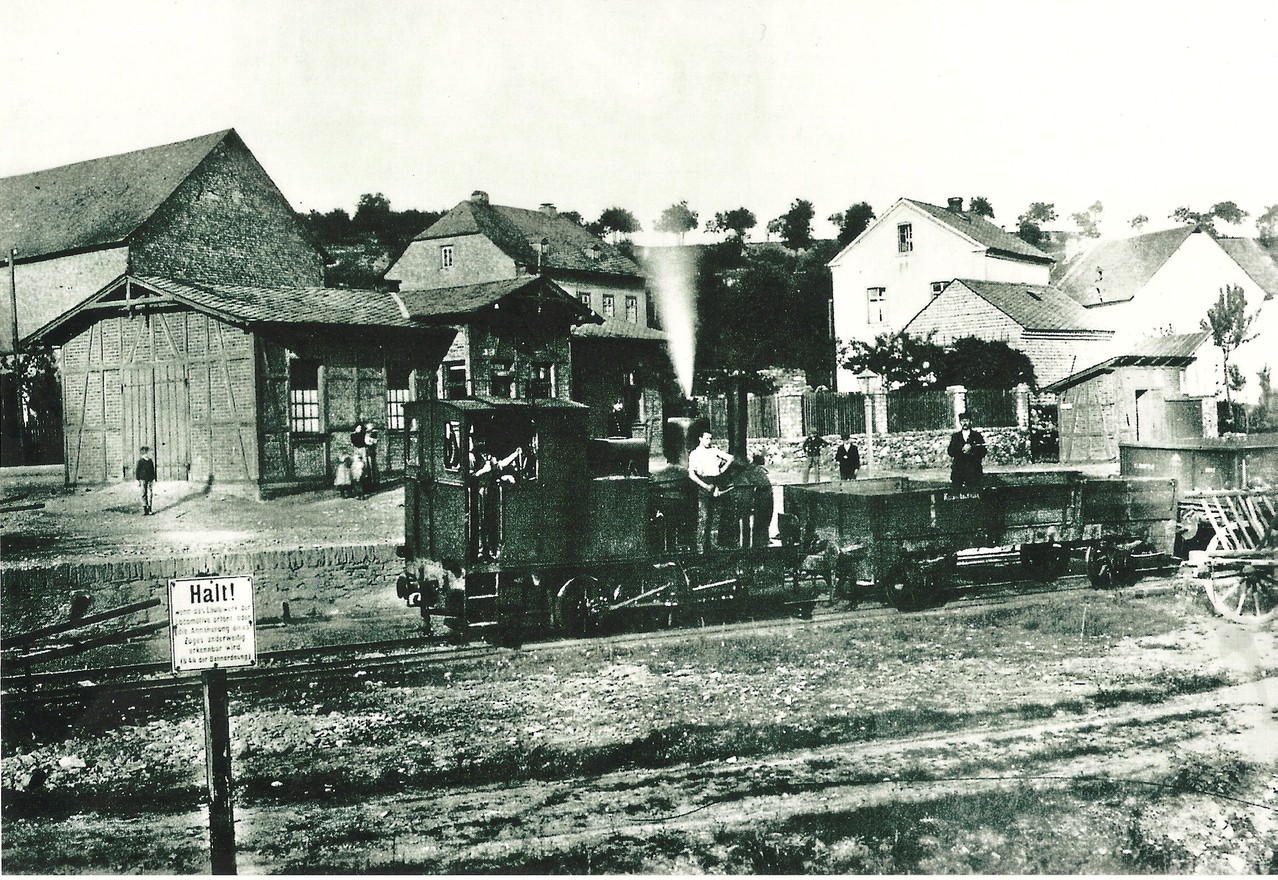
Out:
{"x": 228, "y": 223}
{"x": 320, "y": 582}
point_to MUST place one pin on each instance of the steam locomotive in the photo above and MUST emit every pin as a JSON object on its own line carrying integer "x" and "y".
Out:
{"x": 516, "y": 520}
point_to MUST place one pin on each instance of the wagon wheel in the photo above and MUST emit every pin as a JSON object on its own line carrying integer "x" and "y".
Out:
{"x": 573, "y": 604}
{"x": 1249, "y": 597}
{"x": 1108, "y": 566}
{"x": 910, "y": 586}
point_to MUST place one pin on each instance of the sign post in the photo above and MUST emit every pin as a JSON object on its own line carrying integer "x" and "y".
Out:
{"x": 211, "y": 627}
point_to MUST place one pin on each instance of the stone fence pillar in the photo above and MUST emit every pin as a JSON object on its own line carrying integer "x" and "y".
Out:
{"x": 1022, "y": 406}
{"x": 958, "y": 401}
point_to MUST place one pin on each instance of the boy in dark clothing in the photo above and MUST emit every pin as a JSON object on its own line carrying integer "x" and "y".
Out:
{"x": 812, "y": 447}
{"x": 144, "y": 473}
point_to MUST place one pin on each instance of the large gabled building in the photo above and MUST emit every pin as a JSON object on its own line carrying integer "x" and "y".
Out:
{"x": 621, "y": 359}
{"x": 893, "y": 270}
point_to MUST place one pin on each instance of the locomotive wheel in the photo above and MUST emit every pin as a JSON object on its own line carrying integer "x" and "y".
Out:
{"x": 1250, "y": 597}
{"x": 572, "y": 605}
{"x": 911, "y": 586}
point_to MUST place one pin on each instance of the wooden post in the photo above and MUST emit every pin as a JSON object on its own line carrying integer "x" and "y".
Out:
{"x": 217, "y": 755}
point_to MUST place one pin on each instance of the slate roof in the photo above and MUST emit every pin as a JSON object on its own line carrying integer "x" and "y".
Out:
{"x": 984, "y": 232}
{"x": 614, "y": 328}
{"x": 1125, "y": 266}
{"x": 453, "y": 303}
{"x": 519, "y": 231}
{"x": 1255, "y": 261}
{"x": 1033, "y": 306}
{"x": 96, "y": 203}
{"x": 1153, "y": 351}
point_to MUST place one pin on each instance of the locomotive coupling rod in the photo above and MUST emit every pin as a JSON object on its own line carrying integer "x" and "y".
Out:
{"x": 636, "y": 599}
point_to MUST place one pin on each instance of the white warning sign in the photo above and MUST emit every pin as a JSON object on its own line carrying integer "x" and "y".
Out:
{"x": 211, "y": 622}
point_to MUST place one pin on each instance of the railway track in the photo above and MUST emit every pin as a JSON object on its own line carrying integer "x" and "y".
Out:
{"x": 114, "y": 689}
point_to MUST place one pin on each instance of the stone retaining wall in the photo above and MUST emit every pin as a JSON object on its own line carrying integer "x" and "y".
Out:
{"x": 906, "y": 450}
{"x": 316, "y": 582}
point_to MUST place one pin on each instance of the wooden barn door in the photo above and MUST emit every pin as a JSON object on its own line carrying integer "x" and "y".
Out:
{"x": 157, "y": 413}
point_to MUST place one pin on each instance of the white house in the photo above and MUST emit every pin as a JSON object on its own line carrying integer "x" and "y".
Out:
{"x": 893, "y": 269}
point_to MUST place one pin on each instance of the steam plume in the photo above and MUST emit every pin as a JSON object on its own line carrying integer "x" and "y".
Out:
{"x": 675, "y": 281}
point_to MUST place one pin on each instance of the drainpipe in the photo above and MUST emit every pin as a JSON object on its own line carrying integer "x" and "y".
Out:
{"x": 13, "y": 296}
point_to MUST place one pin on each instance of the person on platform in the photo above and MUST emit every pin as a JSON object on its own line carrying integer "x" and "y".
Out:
{"x": 371, "y": 475}
{"x": 967, "y": 449}
{"x": 706, "y": 466}
{"x": 812, "y": 447}
{"x": 144, "y": 473}
{"x": 848, "y": 458}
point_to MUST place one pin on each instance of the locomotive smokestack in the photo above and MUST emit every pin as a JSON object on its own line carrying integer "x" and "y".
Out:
{"x": 676, "y": 441}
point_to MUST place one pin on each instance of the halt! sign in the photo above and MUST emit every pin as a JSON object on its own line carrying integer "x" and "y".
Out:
{"x": 211, "y": 623}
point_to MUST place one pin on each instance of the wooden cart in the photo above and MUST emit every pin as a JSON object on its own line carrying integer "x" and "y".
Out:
{"x": 1240, "y": 567}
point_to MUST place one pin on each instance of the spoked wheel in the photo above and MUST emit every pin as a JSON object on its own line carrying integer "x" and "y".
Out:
{"x": 1108, "y": 566}
{"x": 573, "y": 605}
{"x": 1249, "y": 595}
{"x": 911, "y": 586}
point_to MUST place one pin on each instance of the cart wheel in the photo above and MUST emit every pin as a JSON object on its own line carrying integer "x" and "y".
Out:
{"x": 911, "y": 586}
{"x": 1249, "y": 597}
{"x": 572, "y": 605}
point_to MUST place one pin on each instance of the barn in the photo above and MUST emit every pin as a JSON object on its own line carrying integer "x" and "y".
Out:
{"x": 1132, "y": 397}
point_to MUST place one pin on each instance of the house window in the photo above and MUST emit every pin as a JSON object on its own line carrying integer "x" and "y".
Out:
{"x": 609, "y": 305}
{"x": 398, "y": 393}
{"x": 585, "y": 299}
{"x": 632, "y": 309}
{"x": 304, "y": 397}
{"x": 904, "y": 238}
{"x": 454, "y": 380}
{"x": 542, "y": 382}
{"x": 502, "y": 379}
{"x": 938, "y": 287}
{"x": 876, "y": 297}
{"x": 446, "y": 256}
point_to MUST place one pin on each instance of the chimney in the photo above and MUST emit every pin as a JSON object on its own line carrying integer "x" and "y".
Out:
{"x": 956, "y": 205}
{"x": 479, "y": 197}
{"x": 549, "y": 209}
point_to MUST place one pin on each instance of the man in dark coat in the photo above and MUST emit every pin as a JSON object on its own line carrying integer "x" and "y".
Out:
{"x": 848, "y": 457}
{"x": 967, "y": 448}
{"x": 144, "y": 473}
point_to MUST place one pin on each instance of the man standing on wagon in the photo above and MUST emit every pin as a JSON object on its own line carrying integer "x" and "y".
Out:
{"x": 705, "y": 466}
{"x": 967, "y": 449}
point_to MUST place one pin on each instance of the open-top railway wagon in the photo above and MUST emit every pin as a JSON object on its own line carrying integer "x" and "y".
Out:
{"x": 905, "y": 538}
{"x": 516, "y": 520}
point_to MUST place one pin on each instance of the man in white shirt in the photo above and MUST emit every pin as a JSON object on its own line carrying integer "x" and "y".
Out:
{"x": 705, "y": 466}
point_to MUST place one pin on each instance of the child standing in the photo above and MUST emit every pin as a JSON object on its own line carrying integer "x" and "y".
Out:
{"x": 144, "y": 472}
{"x": 343, "y": 478}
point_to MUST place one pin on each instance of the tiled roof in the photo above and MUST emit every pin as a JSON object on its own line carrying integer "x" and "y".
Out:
{"x": 613, "y": 328}
{"x": 1153, "y": 351}
{"x": 452, "y": 303}
{"x": 95, "y": 203}
{"x": 983, "y": 231}
{"x": 1033, "y": 306}
{"x": 519, "y": 232}
{"x": 1113, "y": 271}
{"x": 289, "y": 305}
{"x": 1255, "y": 261}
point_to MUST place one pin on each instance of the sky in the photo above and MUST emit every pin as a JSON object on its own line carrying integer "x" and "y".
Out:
{"x": 1143, "y": 106}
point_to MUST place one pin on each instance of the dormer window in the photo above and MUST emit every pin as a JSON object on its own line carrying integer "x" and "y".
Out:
{"x": 938, "y": 287}
{"x": 904, "y": 238}
{"x": 446, "y": 256}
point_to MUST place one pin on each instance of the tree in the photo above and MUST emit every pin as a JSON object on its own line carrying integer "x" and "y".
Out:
{"x": 796, "y": 225}
{"x": 1206, "y": 220}
{"x": 853, "y": 221}
{"x": 1029, "y": 226}
{"x": 615, "y": 222}
{"x": 574, "y": 217}
{"x": 1229, "y": 325}
{"x": 1088, "y": 221}
{"x": 1138, "y": 222}
{"x": 985, "y": 363}
{"x": 738, "y": 222}
{"x": 981, "y": 207}
{"x": 679, "y": 219}
{"x": 372, "y": 214}
{"x": 903, "y": 361}
{"x": 774, "y": 227}
{"x": 1267, "y": 226}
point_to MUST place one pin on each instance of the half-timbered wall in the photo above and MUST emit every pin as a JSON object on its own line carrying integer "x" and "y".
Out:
{"x": 179, "y": 382}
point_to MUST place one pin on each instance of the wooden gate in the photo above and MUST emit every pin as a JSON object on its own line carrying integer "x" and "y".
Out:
{"x": 157, "y": 413}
